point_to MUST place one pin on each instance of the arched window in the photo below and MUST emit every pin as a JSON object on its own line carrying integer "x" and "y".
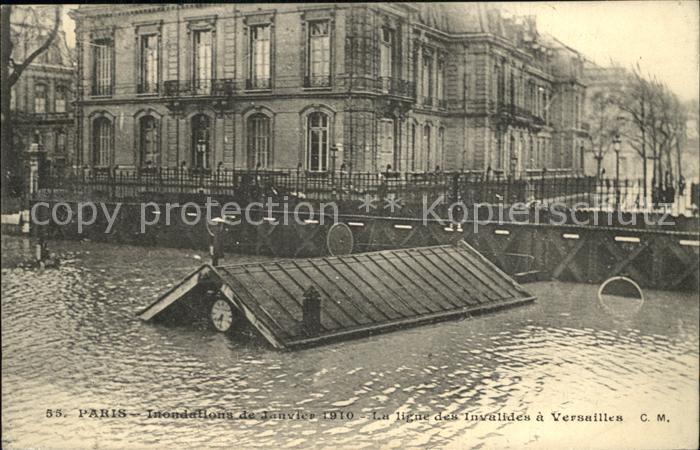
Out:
{"x": 149, "y": 141}
{"x": 259, "y": 148}
{"x": 201, "y": 141}
{"x": 102, "y": 142}
{"x": 60, "y": 103}
{"x": 426, "y": 148}
{"x": 317, "y": 142}
{"x": 39, "y": 98}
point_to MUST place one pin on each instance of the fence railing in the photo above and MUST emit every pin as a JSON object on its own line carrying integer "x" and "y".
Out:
{"x": 226, "y": 87}
{"x": 412, "y": 190}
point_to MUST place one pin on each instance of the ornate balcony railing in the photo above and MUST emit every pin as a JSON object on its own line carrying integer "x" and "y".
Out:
{"x": 311, "y": 81}
{"x": 258, "y": 83}
{"x": 101, "y": 90}
{"x": 213, "y": 88}
{"x": 51, "y": 116}
{"x": 396, "y": 86}
{"x": 147, "y": 88}
{"x": 383, "y": 85}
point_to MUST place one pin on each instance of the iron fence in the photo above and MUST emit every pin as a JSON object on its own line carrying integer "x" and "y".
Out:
{"x": 412, "y": 191}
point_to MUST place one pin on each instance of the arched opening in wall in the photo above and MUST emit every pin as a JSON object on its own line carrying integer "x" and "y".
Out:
{"x": 259, "y": 141}
{"x": 149, "y": 142}
{"x": 103, "y": 141}
{"x": 201, "y": 141}
{"x": 317, "y": 146}
{"x": 39, "y": 98}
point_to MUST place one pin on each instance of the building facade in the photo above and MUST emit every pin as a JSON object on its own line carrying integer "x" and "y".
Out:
{"x": 366, "y": 87}
{"x": 41, "y": 99}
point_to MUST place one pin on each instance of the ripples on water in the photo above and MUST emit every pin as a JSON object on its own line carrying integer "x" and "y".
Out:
{"x": 71, "y": 339}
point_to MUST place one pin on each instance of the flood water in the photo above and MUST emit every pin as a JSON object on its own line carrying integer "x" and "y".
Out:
{"x": 71, "y": 341}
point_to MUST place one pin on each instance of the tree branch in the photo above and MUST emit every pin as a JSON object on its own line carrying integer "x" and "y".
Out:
{"x": 18, "y": 69}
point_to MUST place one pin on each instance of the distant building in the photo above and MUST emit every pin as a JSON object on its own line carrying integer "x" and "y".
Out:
{"x": 319, "y": 86}
{"x": 607, "y": 81}
{"x": 41, "y": 99}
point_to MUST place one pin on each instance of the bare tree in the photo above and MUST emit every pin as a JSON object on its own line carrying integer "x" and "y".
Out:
{"x": 638, "y": 101}
{"x": 602, "y": 118}
{"x": 31, "y": 29}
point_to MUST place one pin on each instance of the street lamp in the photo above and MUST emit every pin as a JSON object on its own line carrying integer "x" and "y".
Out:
{"x": 616, "y": 146}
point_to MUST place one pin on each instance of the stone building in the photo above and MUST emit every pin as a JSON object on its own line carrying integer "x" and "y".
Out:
{"x": 320, "y": 86}
{"x": 41, "y": 99}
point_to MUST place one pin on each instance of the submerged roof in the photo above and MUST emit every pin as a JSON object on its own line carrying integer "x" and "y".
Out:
{"x": 360, "y": 293}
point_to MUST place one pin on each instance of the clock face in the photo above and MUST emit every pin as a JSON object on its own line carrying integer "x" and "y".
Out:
{"x": 221, "y": 315}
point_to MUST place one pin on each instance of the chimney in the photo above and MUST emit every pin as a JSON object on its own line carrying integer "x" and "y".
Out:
{"x": 311, "y": 309}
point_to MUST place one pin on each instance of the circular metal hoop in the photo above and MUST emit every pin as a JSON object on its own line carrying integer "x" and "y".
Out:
{"x": 339, "y": 240}
{"x": 609, "y": 308}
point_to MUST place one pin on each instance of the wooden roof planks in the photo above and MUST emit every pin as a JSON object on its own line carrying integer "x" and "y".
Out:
{"x": 359, "y": 294}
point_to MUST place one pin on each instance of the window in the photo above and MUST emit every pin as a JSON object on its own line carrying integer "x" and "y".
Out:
{"x": 319, "y": 54}
{"x": 427, "y": 79}
{"x": 317, "y": 142}
{"x": 440, "y": 80}
{"x": 60, "y": 141}
{"x": 259, "y": 57}
{"x": 416, "y": 70}
{"x": 441, "y": 148}
{"x": 386, "y": 144}
{"x": 386, "y": 53}
{"x": 148, "y": 57}
{"x": 501, "y": 84}
{"x": 48, "y": 140}
{"x": 201, "y": 141}
{"x": 13, "y": 99}
{"x": 426, "y": 148}
{"x": 149, "y": 141}
{"x": 413, "y": 147}
{"x": 103, "y": 53}
{"x": 102, "y": 142}
{"x": 39, "y": 98}
{"x": 497, "y": 156}
{"x": 201, "y": 57}
{"x": 259, "y": 151}
{"x": 512, "y": 155}
{"x": 60, "y": 105}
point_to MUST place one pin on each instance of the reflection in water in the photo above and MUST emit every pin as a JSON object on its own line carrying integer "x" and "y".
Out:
{"x": 71, "y": 340}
